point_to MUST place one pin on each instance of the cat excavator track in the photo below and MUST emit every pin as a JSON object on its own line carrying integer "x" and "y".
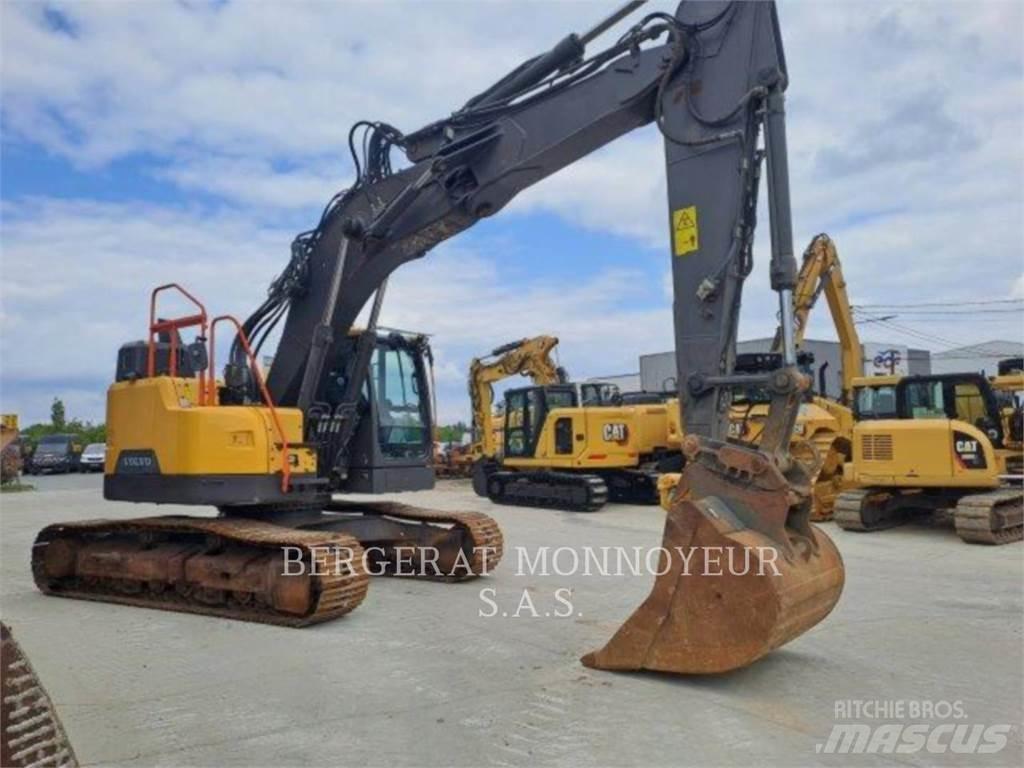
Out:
{"x": 632, "y": 486}
{"x": 567, "y": 491}
{"x": 231, "y": 568}
{"x": 996, "y": 517}
{"x": 871, "y": 509}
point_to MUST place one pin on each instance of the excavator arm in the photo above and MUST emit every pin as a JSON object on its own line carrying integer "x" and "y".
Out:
{"x": 712, "y": 78}
{"x": 822, "y": 272}
{"x": 526, "y": 357}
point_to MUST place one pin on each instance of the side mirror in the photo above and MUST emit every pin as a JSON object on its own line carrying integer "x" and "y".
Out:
{"x": 198, "y": 359}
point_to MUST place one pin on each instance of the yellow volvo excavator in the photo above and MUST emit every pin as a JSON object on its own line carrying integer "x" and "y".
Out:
{"x": 344, "y": 411}
{"x": 939, "y": 442}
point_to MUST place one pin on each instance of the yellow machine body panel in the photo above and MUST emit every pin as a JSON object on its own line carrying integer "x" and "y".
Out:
{"x": 161, "y": 415}
{"x": 923, "y": 453}
{"x": 8, "y": 429}
{"x": 600, "y": 437}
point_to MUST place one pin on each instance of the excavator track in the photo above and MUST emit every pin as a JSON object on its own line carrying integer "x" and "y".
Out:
{"x": 231, "y": 568}
{"x": 868, "y": 509}
{"x": 482, "y": 543}
{"x": 32, "y": 735}
{"x": 632, "y": 486}
{"x": 552, "y": 490}
{"x": 996, "y": 517}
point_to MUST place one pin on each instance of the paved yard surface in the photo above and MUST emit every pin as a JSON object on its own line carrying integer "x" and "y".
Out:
{"x": 416, "y": 676}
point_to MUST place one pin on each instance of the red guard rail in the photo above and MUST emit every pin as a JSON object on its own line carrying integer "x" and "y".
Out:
{"x": 171, "y": 327}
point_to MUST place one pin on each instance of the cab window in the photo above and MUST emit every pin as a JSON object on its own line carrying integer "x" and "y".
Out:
{"x": 925, "y": 400}
{"x": 515, "y": 420}
{"x": 401, "y": 408}
{"x": 970, "y": 404}
{"x": 560, "y": 398}
{"x": 534, "y": 412}
{"x": 876, "y": 402}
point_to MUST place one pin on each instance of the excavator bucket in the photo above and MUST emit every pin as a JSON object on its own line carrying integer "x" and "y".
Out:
{"x": 742, "y": 571}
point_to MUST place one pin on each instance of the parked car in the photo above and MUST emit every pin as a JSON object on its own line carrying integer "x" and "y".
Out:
{"x": 54, "y": 453}
{"x": 93, "y": 457}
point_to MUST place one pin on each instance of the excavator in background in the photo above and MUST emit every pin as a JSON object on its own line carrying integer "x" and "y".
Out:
{"x": 942, "y": 442}
{"x": 452, "y": 461}
{"x": 574, "y": 447}
{"x": 527, "y": 357}
{"x": 344, "y": 410}
{"x": 563, "y": 445}
{"x": 8, "y": 429}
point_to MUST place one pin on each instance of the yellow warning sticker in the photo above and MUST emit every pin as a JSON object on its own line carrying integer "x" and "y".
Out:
{"x": 685, "y": 236}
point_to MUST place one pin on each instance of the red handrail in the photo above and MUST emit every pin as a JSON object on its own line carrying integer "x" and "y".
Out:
{"x": 286, "y": 467}
{"x": 173, "y": 325}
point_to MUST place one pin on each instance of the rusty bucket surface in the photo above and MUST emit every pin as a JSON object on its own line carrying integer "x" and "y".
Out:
{"x": 740, "y": 575}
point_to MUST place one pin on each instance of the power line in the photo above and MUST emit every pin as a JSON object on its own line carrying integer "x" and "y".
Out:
{"x": 927, "y": 337}
{"x": 950, "y": 303}
{"x": 956, "y": 312}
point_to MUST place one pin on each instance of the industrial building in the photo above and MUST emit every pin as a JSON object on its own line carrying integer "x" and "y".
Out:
{"x": 658, "y": 370}
{"x": 983, "y": 357}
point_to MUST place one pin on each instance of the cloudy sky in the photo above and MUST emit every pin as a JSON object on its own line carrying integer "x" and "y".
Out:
{"x": 152, "y": 141}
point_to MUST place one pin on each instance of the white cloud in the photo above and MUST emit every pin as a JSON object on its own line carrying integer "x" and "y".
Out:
{"x": 1017, "y": 292}
{"x": 64, "y": 344}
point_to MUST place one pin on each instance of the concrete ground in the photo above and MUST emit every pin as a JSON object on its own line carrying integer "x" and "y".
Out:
{"x": 416, "y": 676}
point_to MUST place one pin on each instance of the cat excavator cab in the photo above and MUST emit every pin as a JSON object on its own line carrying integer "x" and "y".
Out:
{"x": 272, "y": 454}
{"x": 942, "y": 442}
{"x": 529, "y": 357}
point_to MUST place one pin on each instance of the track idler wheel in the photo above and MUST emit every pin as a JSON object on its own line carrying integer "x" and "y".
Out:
{"x": 742, "y": 571}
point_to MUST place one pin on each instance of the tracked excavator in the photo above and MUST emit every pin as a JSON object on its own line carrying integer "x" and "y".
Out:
{"x": 572, "y": 447}
{"x": 563, "y": 445}
{"x": 951, "y": 444}
{"x": 529, "y": 357}
{"x": 343, "y": 411}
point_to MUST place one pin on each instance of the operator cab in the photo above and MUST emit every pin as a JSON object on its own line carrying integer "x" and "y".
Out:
{"x": 526, "y": 409}
{"x": 966, "y": 397}
{"x": 392, "y": 448}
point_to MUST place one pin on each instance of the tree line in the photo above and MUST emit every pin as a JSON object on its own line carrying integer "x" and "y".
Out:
{"x": 59, "y": 424}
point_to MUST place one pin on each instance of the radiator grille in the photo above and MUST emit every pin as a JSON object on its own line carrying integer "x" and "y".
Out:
{"x": 876, "y": 447}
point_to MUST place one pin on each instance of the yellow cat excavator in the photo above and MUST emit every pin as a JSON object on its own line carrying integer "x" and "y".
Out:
{"x": 939, "y": 442}
{"x": 573, "y": 447}
{"x": 526, "y": 357}
{"x": 344, "y": 411}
